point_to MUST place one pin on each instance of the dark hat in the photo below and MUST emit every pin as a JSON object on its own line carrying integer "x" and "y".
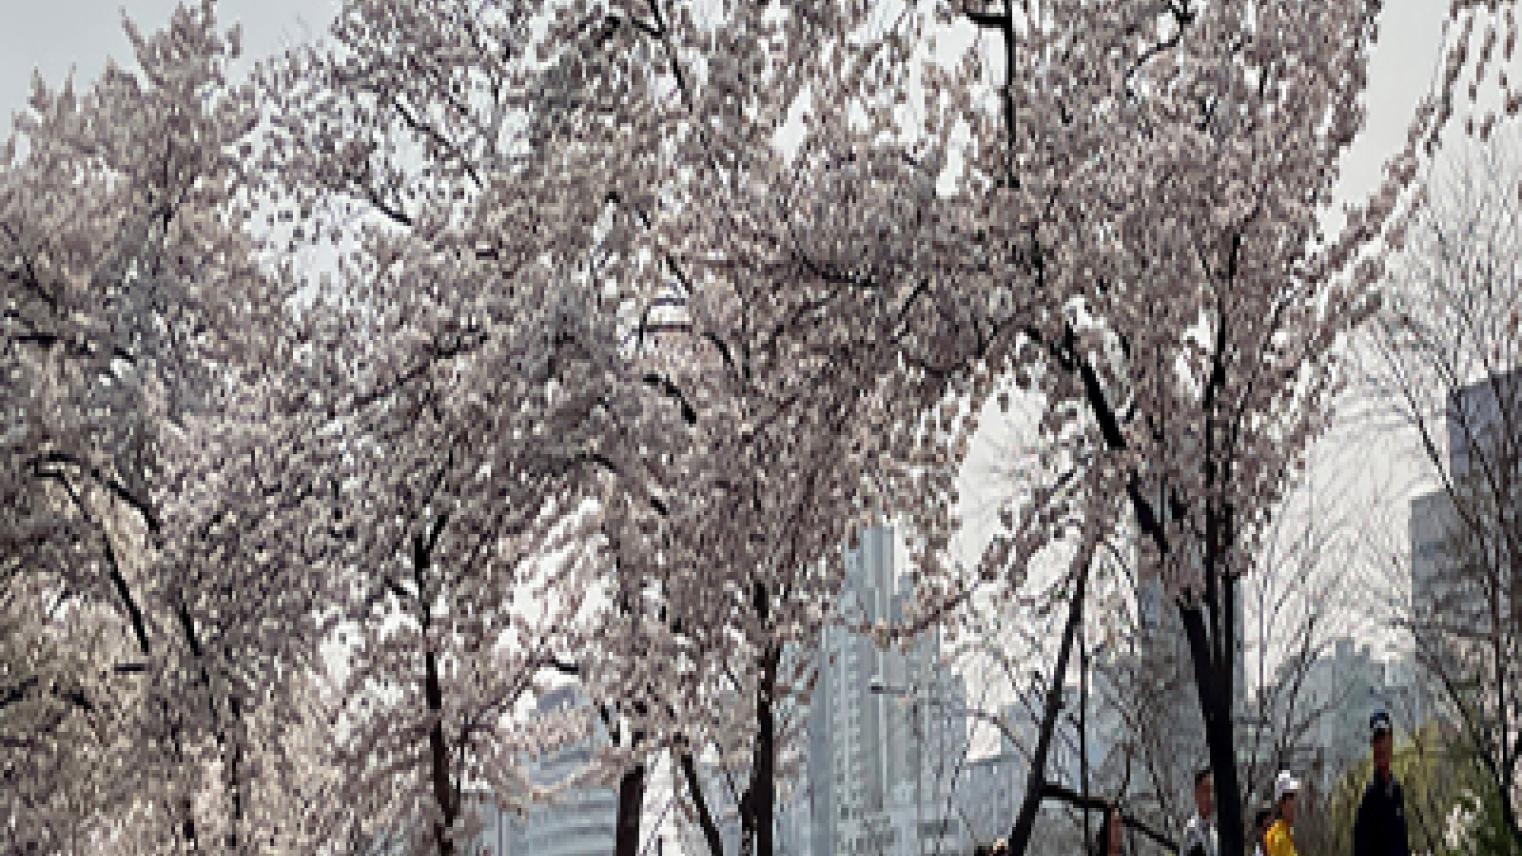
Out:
{"x": 1379, "y": 723}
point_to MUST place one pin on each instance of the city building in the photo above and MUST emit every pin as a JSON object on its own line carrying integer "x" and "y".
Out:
{"x": 1333, "y": 697}
{"x": 887, "y": 727}
{"x": 889, "y": 743}
{"x": 577, "y": 821}
{"x": 1443, "y": 541}
{"x": 1410, "y": 704}
{"x": 791, "y": 825}
{"x": 1338, "y": 691}
{"x": 497, "y": 831}
{"x": 1477, "y": 422}
{"x": 1462, "y": 577}
{"x": 1164, "y": 697}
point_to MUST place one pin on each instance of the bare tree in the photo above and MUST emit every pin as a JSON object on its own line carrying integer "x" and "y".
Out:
{"x": 1450, "y": 365}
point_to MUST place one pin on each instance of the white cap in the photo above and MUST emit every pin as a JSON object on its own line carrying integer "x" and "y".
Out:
{"x": 1284, "y": 783}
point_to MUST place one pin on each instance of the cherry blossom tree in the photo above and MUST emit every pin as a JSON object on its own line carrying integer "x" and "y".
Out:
{"x": 635, "y": 311}
{"x": 693, "y": 327}
{"x": 768, "y": 398}
{"x": 472, "y": 363}
{"x": 156, "y": 605}
{"x": 1133, "y": 230}
{"x": 772, "y": 287}
{"x": 1143, "y": 187}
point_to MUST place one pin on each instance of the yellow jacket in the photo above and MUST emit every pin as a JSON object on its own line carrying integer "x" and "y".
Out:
{"x": 1279, "y": 841}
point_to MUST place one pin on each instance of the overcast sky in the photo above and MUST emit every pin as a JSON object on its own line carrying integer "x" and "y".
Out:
{"x": 59, "y": 36}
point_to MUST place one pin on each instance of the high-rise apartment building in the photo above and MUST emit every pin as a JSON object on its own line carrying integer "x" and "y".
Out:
{"x": 1484, "y": 468}
{"x": 885, "y": 726}
{"x": 578, "y": 821}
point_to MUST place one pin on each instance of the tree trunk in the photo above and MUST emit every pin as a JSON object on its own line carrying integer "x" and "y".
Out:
{"x": 438, "y": 751}
{"x": 1083, "y": 726}
{"x": 631, "y": 802}
{"x": 705, "y": 817}
{"x": 1215, "y": 705}
{"x": 758, "y": 806}
{"x": 1509, "y": 817}
{"x": 764, "y": 788}
{"x": 235, "y": 775}
{"x": 188, "y": 827}
{"x": 1035, "y": 780}
{"x": 433, "y": 697}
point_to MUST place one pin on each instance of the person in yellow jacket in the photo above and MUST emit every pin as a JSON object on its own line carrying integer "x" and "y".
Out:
{"x": 1280, "y": 838}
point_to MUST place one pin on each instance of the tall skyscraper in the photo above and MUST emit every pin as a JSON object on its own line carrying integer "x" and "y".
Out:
{"x": 1479, "y": 420}
{"x": 1478, "y": 444}
{"x": 884, "y": 724}
{"x": 1456, "y": 526}
{"x": 1341, "y": 688}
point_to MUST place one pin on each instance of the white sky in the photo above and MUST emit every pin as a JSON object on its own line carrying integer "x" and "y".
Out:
{"x": 59, "y": 36}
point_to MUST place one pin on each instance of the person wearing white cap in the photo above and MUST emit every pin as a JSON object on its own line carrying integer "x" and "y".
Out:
{"x": 1280, "y": 838}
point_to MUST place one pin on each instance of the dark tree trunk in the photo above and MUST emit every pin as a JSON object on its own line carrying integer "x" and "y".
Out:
{"x": 438, "y": 750}
{"x": 433, "y": 697}
{"x": 235, "y": 774}
{"x": 1035, "y": 779}
{"x": 631, "y": 802}
{"x": 1083, "y": 726}
{"x": 764, "y": 789}
{"x": 758, "y": 806}
{"x": 1212, "y": 676}
{"x": 188, "y": 828}
{"x": 705, "y": 817}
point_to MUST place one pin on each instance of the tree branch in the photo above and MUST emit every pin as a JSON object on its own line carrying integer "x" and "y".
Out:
{"x": 1059, "y": 793}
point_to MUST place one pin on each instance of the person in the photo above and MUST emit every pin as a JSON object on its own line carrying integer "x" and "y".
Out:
{"x": 1260, "y": 824}
{"x": 1000, "y": 848}
{"x": 1111, "y": 838}
{"x": 1200, "y": 831}
{"x": 1280, "y": 840}
{"x": 1380, "y": 827}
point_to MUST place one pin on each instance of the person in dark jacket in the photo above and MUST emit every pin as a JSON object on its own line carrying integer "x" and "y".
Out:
{"x": 1380, "y": 829}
